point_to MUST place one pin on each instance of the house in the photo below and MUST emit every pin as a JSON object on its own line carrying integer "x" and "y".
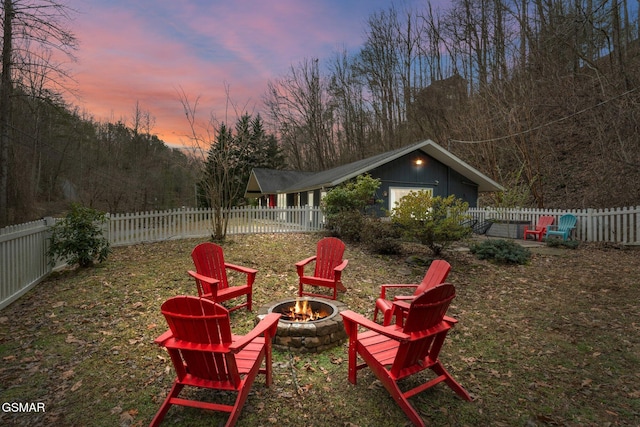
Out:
{"x": 421, "y": 166}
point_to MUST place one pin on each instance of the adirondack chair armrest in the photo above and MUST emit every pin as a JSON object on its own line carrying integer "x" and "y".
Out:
{"x": 267, "y": 326}
{"x": 400, "y": 310}
{"x": 406, "y": 298}
{"x": 337, "y": 272}
{"x": 300, "y": 264}
{"x": 202, "y": 277}
{"x": 250, "y": 272}
{"x": 384, "y": 288}
{"x": 450, "y": 320}
{"x": 164, "y": 337}
{"x": 552, "y": 227}
{"x": 213, "y": 283}
{"x": 389, "y": 331}
{"x": 341, "y": 267}
{"x": 241, "y": 269}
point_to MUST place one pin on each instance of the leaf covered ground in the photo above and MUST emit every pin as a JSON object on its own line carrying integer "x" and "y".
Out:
{"x": 554, "y": 342}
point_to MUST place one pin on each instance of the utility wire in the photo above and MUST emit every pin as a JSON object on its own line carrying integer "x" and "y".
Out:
{"x": 545, "y": 124}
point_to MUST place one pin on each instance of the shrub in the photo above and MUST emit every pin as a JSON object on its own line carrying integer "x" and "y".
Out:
{"x": 436, "y": 222}
{"x": 556, "y": 243}
{"x": 78, "y": 238}
{"x": 381, "y": 237}
{"x": 346, "y": 224}
{"x": 346, "y": 205}
{"x": 502, "y": 251}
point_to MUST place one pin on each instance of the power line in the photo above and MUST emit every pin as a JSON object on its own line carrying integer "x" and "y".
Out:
{"x": 545, "y": 124}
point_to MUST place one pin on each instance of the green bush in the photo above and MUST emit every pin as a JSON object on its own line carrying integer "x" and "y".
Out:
{"x": 436, "y": 222}
{"x": 381, "y": 237}
{"x": 346, "y": 205}
{"x": 557, "y": 243}
{"x": 346, "y": 225}
{"x": 501, "y": 251}
{"x": 78, "y": 238}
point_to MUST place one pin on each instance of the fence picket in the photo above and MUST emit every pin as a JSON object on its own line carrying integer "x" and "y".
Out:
{"x": 23, "y": 247}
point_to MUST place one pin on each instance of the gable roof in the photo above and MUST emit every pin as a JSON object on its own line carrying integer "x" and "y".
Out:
{"x": 272, "y": 181}
{"x": 332, "y": 177}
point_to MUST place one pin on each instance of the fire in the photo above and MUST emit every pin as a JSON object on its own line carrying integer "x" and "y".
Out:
{"x": 302, "y": 311}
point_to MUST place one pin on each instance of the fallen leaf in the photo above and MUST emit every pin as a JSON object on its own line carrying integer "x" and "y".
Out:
{"x": 125, "y": 419}
{"x": 76, "y": 386}
{"x": 73, "y": 340}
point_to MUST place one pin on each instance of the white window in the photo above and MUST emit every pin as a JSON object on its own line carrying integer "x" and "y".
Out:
{"x": 397, "y": 193}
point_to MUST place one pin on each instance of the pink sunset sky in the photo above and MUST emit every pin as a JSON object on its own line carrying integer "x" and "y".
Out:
{"x": 150, "y": 51}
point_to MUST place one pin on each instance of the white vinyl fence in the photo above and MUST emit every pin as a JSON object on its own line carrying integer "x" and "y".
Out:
{"x": 23, "y": 259}
{"x": 618, "y": 225}
{"x": 23, "y": 248}
{"x": 129, "y": 229}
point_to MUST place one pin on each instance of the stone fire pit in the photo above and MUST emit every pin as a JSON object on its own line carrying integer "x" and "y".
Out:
{"x": 311, "y": 336}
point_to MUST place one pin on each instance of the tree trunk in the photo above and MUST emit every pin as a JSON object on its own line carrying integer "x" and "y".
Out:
{"x": 5, "y": 111}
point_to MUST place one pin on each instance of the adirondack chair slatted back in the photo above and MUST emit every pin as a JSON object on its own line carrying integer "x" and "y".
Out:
{"x": 426, "y": 311}
{"x": 436, "y": 273}
{"x": 541, "y": 227}
{"x": 208, "y": 259}
{"x": 200, "y": 321}
{"x": 429, "y": 308}
{"x": 566, "y": 224}
{"x": 544, "y": 221}
{"x": 329, "y": 254}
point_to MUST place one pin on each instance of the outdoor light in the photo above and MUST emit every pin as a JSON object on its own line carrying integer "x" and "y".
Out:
{"x": 419, "y": 162}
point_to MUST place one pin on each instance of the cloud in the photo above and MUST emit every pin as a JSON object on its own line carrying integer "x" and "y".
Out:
{"x": 149, "y": 51}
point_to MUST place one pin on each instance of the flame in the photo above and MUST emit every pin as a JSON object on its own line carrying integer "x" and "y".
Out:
{"x": 301, "y": 311}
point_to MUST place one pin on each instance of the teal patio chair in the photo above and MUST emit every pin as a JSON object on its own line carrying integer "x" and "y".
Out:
{"x": 565, "y": 226}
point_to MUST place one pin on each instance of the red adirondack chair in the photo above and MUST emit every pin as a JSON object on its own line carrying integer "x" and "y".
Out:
{"x": 211, "y": 276}
{"x": 436, "y": 273}
{"x": 397, "y": 351}
{"x": 540, "y": 229}
{"x": 328, "y": 268}
{"x": 206, "y": 354}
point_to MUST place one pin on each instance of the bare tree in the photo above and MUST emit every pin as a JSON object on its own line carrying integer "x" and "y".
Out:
{"x": 31, "y": 29}
{"x": 299, "y": 109}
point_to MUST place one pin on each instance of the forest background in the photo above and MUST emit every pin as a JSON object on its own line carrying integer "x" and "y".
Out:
{"x": 540, "y": 95}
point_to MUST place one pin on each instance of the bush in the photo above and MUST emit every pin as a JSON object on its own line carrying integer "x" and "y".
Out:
{"x": 436, "y": 222}
{"x": 78, "y": 238}
{"x": 346, "y": 225}
{"x": 381, "y": 237}
{"x": 502, "y": 251}
{"x": 556, "y": 243}
{"x": 346, "y": 205}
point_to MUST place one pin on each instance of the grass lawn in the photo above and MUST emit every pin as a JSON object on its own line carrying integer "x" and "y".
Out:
{"x": 555, "y": 342}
